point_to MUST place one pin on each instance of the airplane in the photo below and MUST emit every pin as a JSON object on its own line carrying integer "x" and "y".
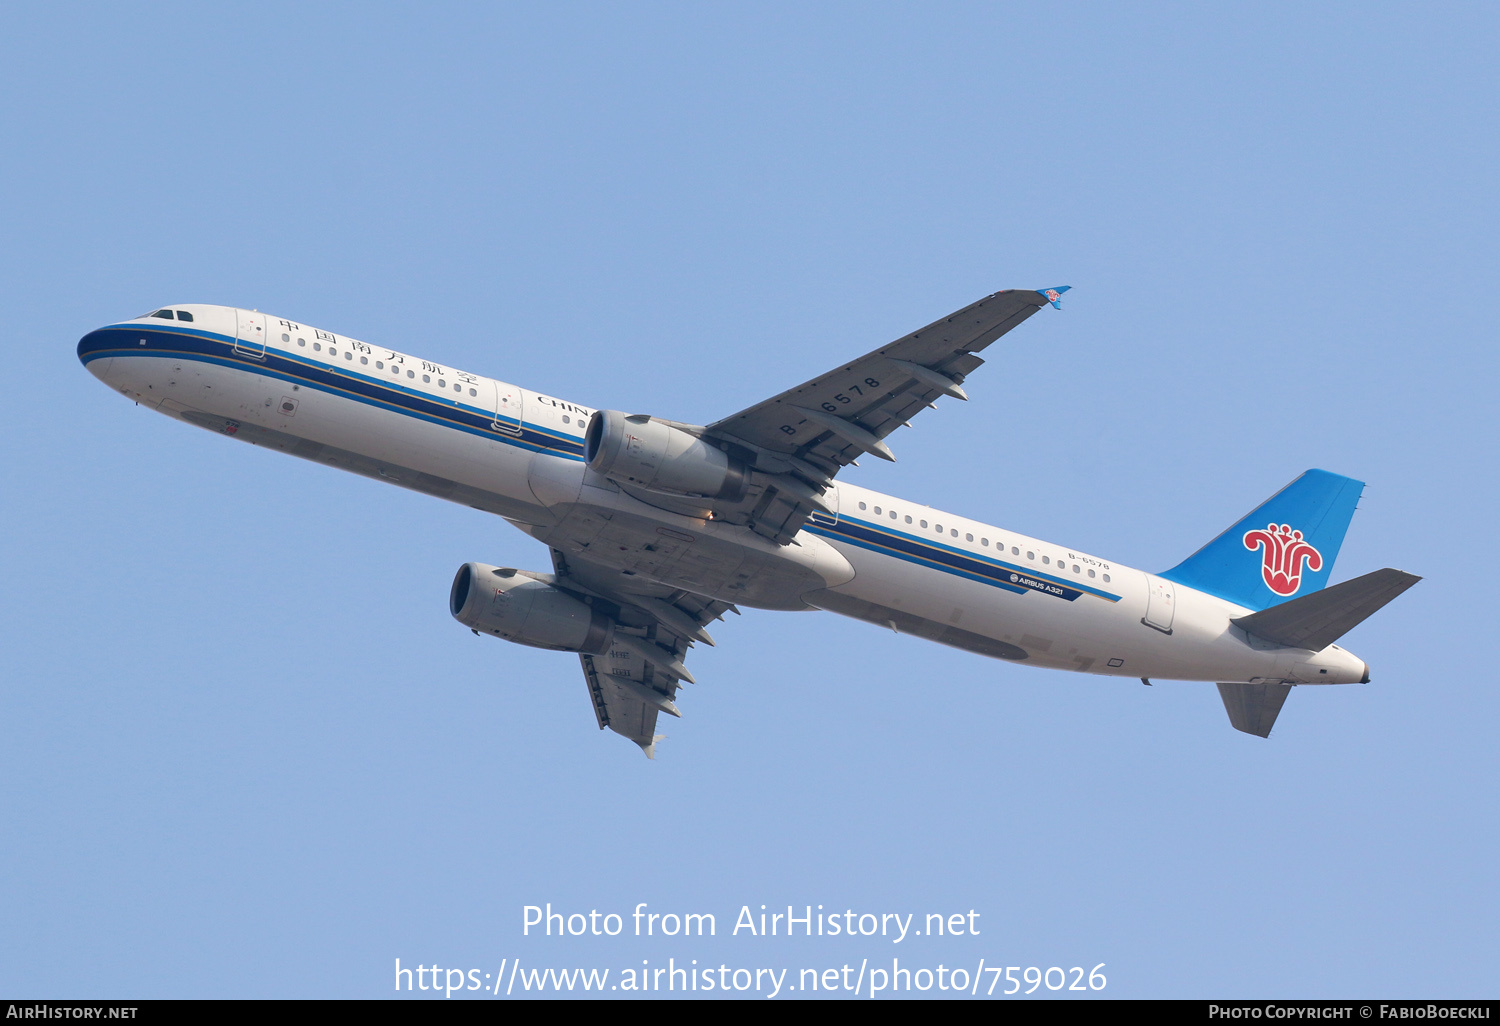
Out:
{"x": 658, "y": 528}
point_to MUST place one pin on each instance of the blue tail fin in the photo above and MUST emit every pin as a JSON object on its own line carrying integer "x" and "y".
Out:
{"x": 1283, "y": 549}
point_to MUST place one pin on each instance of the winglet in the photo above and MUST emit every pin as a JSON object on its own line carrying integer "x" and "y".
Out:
{"x": 1054, "y": 296}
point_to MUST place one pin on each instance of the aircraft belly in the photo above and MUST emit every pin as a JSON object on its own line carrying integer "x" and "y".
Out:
{"x": 603, "y": 526}
{"x": 307, "y": 422}
{"x": 724, "y": 569}
{"x": 607, "y": 527}
{"x": 488, "y": 464}
{"x": 968, "y": 614}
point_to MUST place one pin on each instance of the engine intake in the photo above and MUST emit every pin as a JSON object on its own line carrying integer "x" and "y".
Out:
{"x": 639, "y": 450}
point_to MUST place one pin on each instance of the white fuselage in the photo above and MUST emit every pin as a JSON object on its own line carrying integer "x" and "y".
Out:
{"x": 518, "y": 454}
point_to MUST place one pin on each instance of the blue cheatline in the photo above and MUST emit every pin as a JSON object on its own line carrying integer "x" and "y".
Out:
{"x": 126, "y": 341}
{"x": 1285, "y": 548}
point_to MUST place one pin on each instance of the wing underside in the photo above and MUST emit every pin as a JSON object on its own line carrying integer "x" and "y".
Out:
{"x": 628, "y": 690}
{"x": 624, "y": 712}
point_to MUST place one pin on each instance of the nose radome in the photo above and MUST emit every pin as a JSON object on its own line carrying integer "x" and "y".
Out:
{"x": 91, "y": 354}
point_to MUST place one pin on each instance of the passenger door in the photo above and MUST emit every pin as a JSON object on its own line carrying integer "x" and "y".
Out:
{"x": 509, "y": 408}
{"x": 250, "y": 334}
{"x": 1161, "y": 604}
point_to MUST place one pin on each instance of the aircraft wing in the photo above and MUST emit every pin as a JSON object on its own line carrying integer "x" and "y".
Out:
{"x": 632, "y": 683}
{"x": 833, "y": 419}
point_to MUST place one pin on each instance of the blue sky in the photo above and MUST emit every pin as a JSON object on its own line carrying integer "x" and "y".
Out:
{"x": 247, "y": 751}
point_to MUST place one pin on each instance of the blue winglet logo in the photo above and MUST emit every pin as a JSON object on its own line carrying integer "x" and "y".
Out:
{"x": 1054, "y": 296}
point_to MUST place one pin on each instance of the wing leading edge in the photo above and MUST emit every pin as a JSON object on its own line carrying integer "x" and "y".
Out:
{"x": 835, "y": 418}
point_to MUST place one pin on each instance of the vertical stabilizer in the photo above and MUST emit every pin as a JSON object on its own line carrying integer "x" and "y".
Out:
{"x": 1285, "y": 548}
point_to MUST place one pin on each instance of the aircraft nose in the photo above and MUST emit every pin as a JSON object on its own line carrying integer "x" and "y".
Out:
{"x": 92, "y": 353}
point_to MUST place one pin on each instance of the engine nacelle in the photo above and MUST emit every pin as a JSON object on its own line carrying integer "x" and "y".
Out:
{"x": 652, "y": 454}
{"x": 527, "y": 611}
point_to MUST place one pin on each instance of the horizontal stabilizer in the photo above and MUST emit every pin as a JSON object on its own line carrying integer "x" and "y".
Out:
{"x": 1253, "y": 708}
{"x": 1317, "y": 620}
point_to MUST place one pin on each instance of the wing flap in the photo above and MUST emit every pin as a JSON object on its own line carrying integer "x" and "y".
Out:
{"x": 620, "y": 710}
{"x": 626, "y": 690}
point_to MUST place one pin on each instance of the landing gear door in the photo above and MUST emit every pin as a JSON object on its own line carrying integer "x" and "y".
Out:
{"x": 1161, "y": 604}
{"x": 509, "y": 401}
{"x": 250, "y": 334}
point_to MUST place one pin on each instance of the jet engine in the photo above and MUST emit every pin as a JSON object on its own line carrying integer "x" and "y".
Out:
{"x": 640, "y": 450}
{"x": 522, "y": 609}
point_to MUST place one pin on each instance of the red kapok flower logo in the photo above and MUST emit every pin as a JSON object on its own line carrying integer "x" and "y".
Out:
{"x": 1283, "y": 554}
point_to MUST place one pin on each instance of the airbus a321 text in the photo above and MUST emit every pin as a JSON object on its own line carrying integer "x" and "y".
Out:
{"x": 657, "y": 528}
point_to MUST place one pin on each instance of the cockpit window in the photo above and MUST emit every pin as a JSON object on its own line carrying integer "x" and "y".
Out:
{"x": 164, "y": 314}
{"x": 183, "y": 315}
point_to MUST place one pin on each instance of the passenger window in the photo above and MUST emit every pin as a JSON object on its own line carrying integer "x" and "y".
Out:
{"x": 426, "y": 378}
{"x": 984, "y": 541}
{"x": 183, "y": 315}
{"x": 893, "y": 514}
{"x": 472, "y": 392}
{"x": 908, "y": 520}
{"x": 364, "y": 359}
{"x": 395, "y": 370}
{"x": 457, "y": 387}
{"x": 877, "y": 510}
{"x": 317, "y": 348}
{"x": 380, "y": 365}
{"x": 1075, "y": 568}
{"x": 302, "y": 342}
{"x": 442, "y": 383}
{"x": 164, "y": 314}
{"x": 285, "y": 337}
{"x": 954, "y": 532}
{"x": 1091, "y": 573}
{"x": 924, "y": 524}
{"x": 567, "y": 419}
{"x": 968, "y": 537}
{"x": 1106, "y": 578}
{"x": 861, "y": 505}
{"x": 348, "y": 355}
{"x": 1031, "y": 555}
{"x": 411, "y": 374}
{"x": 939, "y": 528}
{"x": 1047, "y": 560}
{"x": 1015, "y": 550}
